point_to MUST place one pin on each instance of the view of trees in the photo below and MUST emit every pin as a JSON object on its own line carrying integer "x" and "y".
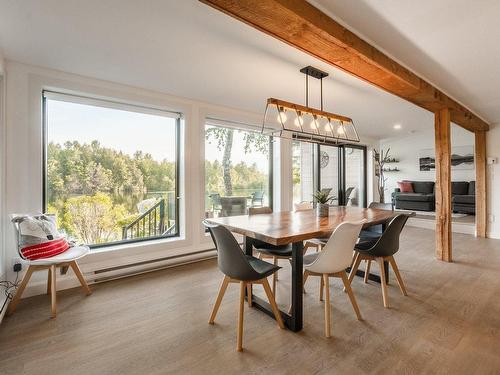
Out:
{"x": 94, "y": 190}
{"x": 240, "y": 174}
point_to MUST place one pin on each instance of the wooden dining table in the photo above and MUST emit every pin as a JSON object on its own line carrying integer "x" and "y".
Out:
{"x": 281, "y": 228}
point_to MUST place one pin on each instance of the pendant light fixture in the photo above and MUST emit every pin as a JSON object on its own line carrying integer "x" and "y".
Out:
{"x": 298, "y": 122}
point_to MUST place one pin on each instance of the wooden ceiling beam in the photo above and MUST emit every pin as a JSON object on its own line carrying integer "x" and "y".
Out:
{"x": 301, "y": 25}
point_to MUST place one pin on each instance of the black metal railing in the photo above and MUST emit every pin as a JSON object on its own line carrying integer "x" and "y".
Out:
{"x": 152, "y": 223}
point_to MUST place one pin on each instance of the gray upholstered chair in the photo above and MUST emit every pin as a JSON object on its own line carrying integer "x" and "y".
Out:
{"x": 242, "y": 269}
{"x": 266, "y": 250}
{"x": 375, "y": 231}
{"x": 380, "y": 250}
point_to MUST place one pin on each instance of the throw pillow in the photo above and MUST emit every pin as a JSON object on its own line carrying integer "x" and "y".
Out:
{"x": 405, "y": 187}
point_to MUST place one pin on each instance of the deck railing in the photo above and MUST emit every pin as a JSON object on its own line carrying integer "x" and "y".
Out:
{"x": 152, "y": 223}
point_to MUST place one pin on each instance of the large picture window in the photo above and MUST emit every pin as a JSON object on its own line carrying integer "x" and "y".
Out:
{"x": 238, "y": 170}
{"x": 111, "y": 170}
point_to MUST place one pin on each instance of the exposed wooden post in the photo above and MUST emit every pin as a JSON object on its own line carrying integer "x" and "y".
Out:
{"x": 480, "y": 158}
{"x": 443, "y": 184}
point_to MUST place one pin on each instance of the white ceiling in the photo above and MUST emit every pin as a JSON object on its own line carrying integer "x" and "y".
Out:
{"x": 454, "y": 44}
{"x": 186, "y": 48}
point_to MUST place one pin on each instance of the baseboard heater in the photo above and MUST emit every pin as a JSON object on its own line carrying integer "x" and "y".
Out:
{"x": 118, "y": 272}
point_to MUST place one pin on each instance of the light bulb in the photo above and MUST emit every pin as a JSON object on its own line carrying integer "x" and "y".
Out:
{"x": 298, "y": 121}
{"x": 341, "y": 130}
{"x": 281, "y": 116}
{"x": 313, "y": 125}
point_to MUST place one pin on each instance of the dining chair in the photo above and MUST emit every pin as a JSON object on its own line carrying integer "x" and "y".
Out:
{"x": 332, "y": 261}
{"x": 375, "y": 231}
{"x": 380, "y": 250}
{"x": 63, "y": 261}
{"x": 265, "y": 250}
{"x": 242, "y": 269}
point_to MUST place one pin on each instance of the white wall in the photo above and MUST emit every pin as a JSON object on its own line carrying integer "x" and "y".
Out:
{"x": 23, "y": 140}
{"x": 406, "y": 149}
{"x": 493, "y": 187}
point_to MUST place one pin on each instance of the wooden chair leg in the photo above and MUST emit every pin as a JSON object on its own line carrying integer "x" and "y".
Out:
{"x": 354, "y": 268}
{"x": 249, "y": 294}
{"x": 273, "y": 304}
{"x": 53, "y": 293}
{"x": 80, "y": 277}
{"x": 354, "y": 253}
{"x": 306, "y": 275}
{"x": 49, "y": 278}
{"x": 321, "y": 286}
{"x": 367, "y": 270}
{"x": 220, "y": 295}
{"x": 239, "y": 338}
{"x": 401, "y": 284}
{"x": 383, "y": 283}
{"x": 327, "y": 305}
{"x": 347, "y": 286}
{"x": 20, "y": 290}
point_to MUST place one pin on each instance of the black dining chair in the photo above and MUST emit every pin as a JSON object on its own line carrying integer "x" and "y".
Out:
{"x": 375, "y": 231}
{"x": 380, "y": 250}
{"x": 265, "y": 250}
{"x": 243, "y": 269}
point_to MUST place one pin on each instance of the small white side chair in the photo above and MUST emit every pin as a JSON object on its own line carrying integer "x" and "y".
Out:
{"x": 64, "y": 260}
{"x": 333, "y": 260}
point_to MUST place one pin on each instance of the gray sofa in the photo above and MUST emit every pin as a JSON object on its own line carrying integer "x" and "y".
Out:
{"x": 464, "y": 197}
{"x": 423, "y": 197}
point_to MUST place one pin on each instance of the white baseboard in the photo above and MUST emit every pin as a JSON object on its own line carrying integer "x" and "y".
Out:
{"x": 69, "y": 280}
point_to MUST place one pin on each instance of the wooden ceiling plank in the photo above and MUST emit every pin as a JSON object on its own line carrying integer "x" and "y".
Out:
{"x": 301, "y": 25}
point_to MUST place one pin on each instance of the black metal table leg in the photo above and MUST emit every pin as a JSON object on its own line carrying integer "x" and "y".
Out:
{"x": 248, "y": 248}
{"x": 297, "y": 286}
{"x": 294, "y": 322}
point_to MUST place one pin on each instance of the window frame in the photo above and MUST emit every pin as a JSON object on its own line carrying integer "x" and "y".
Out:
{"x": 119, "y": 105}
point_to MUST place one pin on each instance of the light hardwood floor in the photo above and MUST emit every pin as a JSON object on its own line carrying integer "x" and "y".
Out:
{"x": 157, "y": 323}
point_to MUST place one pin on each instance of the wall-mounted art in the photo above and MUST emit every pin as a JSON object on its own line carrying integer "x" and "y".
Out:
{"x": 462, "y": 158}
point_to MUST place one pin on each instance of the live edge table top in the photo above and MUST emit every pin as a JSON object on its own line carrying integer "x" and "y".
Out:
{"x": 280, "y": 228}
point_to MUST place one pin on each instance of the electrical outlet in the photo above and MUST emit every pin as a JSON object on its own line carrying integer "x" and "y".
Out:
{"x": 16, "y": 261}
{"x": 491, "y": 218}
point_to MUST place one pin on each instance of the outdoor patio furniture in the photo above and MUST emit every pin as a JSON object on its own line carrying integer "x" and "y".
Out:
{"x": 233, "y": 206}
{"x": 257, "y": 199}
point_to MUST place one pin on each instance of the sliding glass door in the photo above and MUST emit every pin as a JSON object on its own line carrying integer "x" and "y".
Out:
{"x": 342, "y": 171}
{"x": 329, "y": 171}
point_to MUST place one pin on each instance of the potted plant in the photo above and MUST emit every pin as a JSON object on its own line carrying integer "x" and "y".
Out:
{"x": 322, "y": 199}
